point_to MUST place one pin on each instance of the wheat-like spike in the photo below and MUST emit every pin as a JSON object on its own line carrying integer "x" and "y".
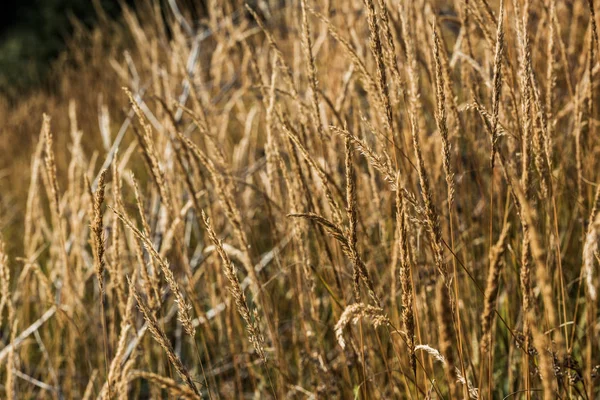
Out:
{"x": 151, "y": 283}
{"x": 295, "y": 206}
{"x": 351, "y": 213}
{"x": 183, "y": 308}
{"x": 360, "y": 269}
{"x": 408, "y": 320}
{"x": 491, "y": 288}
{"x": 252, "y": 324}
{"x": 353, "y": 313}
{"x": 161, "y": 338}
{"x": 486, "y": 27}
{"x": 117, "y": 264}
{"x": 578, "y": 127}
{"x": 200, "y": 120}
{"x": 542, "y": 163}
{"x": 591, "y": 63}
{"x": 32, "y": 208}
{"x": 377, "y": 50}
{"x": 550, "y": 80}
{"x": 337, "y": 233}
{"x": 5, "y": 294}
{"x": 379, "y": 163}
{"x": 97, "y": 231}
{"x": 440, "y": 116}
{"x": 271, "y": 150}
{"x": 311, "y": 69}
{"x": 487, "y": 118}
{"x": 497, "y": 81}
{"x": 334, "y": 230}
{"x": 51, "y": 164}
{"x": 390, "y": 51}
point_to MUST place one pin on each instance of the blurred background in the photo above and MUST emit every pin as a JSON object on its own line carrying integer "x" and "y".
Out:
{"x": 33, "y": 33}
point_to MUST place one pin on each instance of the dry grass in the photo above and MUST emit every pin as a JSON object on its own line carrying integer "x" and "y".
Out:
{"x": 373, "y": 199}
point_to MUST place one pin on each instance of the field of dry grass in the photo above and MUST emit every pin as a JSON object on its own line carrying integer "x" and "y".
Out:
{"x": 308, "y": 199}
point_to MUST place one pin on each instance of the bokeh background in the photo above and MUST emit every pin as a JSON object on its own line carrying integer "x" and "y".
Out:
{"x": 33, "y": 33}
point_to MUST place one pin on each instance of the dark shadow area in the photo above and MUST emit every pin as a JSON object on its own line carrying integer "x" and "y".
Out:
{"x": 34, "y": 32}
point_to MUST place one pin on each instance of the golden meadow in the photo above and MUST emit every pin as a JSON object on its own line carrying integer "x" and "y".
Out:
{"x": 307, "y": 199}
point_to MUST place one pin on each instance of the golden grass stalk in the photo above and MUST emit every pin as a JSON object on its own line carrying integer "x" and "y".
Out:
{"x": 252, "y": 324}
{"x": 440, "y": 116}
{"x": 32, "y": 210}
{"x": 54, "y": 193}
{"x": 51, "y": 165}
{"x": 446, "y": 335}
{"x": 351, "y": 213}
{"x": 491, "y": 288}
{"x": 590, "y": 249}
{"x": 89, "y": 389}
{"x": 117, "y": 263}
{"x": 377, "y": 50}
{"x": 550, "y": 79}
{"x": 525, "y": 273}
{"x": 379, "y": 162}
{"x": 593, "y": 44}
{"x": 183, "y": 308}
{"x": 408, "y": 318}
{"x": 360, "y": 270}
{"x": 96, "y": 229}
{"x": 11, "y": 364}
{"x": 546, "y": 363}
{"x": 150, "y": 281}
{"x": 161, "y": 338}
{"x": 6, "y": 302}
{"x": 497, "y": 81}
{"x": 5, "y": 295}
